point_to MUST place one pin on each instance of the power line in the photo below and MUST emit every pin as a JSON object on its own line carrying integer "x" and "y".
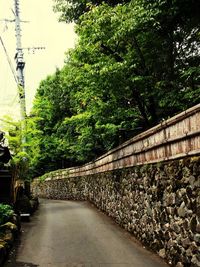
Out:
{"x": 20, "y": 63}
{"x": 11, "y": 68}
{"x": 9, "y": 61}
{"x": 14, "y": 100}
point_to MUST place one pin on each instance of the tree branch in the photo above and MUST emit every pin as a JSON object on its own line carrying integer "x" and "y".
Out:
{"x": 108, "y": 51}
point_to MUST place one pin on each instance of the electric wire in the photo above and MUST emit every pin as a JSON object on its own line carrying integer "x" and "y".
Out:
{"x": 9, "y": 61}
{"x": 13, "y": 101}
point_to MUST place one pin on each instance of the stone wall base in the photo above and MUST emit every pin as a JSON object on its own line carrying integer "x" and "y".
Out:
{"x": 158, "y": 203}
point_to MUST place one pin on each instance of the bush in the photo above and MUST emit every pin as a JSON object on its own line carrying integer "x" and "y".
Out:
{"x": 6, "y": 212}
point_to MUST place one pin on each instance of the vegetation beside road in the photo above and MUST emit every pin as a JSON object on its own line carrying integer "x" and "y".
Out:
{"x": 135, "y": 63}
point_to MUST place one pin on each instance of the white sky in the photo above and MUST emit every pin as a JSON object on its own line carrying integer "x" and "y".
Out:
{"x": 42, "y": 30}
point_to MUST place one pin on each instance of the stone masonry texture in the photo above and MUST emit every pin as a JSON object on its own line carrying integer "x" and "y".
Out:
{"x": 158, "y": 203}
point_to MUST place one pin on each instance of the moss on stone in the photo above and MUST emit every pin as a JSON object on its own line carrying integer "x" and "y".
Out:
{"x": 9, "y": 225}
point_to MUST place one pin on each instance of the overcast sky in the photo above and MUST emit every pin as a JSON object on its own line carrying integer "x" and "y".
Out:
{"x": 42, "y": 30}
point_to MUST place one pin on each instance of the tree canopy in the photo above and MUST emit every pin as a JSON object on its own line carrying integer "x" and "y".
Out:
{"x": 71, "y": 10}
{"x": 135, "y": 63}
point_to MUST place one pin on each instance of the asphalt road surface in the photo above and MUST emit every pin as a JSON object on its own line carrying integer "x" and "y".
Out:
{"x": 76, "y": 234}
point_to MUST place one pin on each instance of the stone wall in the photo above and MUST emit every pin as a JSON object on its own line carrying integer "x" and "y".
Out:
{"x": 158, "y": 203}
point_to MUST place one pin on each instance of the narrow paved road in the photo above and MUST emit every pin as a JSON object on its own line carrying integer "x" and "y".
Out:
{"x": 76, "y": 234}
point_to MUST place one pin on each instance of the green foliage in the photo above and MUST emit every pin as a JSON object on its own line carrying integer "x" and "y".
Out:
{"x": 135, "y": 63}
{"x": 6, "y": 212}
{"x": 20, "y": 159}
{"x": 13, "y": 133}
{"x": 51, "y": 175}
{"x": 71, "y": 10}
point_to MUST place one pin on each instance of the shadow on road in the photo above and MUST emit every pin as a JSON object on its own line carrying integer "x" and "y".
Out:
{"x": 60, "y": 205}
{"x": 25, "y": 264}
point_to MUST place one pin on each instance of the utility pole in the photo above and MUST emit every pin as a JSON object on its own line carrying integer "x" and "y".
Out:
{"x": 20, "y": 64}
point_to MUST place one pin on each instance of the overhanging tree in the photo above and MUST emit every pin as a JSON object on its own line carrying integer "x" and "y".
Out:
{"x": 135, "y": 63}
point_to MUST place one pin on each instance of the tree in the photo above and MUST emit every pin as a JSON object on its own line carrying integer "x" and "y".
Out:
{"x": 20, "y": 159}
{"x": 150, "y": 37}
{"x": 135, "y": 63}
{"x": 71, "y": 10}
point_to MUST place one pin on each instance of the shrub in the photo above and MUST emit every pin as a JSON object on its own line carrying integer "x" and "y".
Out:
{"x": 6, "y": 213}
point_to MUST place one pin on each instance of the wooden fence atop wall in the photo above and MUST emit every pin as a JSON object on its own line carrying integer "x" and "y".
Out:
{"x": 174, "y": 138}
